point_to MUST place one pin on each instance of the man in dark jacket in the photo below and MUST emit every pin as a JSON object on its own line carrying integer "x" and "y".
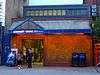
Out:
{"x": 29, "y": 58}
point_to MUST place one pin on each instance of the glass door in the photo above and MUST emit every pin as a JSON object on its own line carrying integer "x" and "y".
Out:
{"x": 37, "y": 47}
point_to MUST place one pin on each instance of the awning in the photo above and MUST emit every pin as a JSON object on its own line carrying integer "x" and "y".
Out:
{"x": 64, "y": 24}
{"x": 54, "y": 26}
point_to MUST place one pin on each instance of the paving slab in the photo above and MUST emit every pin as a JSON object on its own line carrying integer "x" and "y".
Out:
{"x": 48, "y": 71}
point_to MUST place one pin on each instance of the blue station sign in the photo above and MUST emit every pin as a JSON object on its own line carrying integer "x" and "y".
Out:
{"x": 52, "y": 31}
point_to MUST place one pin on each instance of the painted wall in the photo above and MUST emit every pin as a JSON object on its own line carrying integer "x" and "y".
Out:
{"x": 58, "y": 49}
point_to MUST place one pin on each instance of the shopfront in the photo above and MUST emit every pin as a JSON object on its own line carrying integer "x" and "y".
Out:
{"x": 53, "y": 47}
{"x": 53, "y": 33}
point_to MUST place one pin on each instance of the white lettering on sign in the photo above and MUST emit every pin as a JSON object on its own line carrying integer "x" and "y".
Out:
{"x": 29, "y": 31}
{"x": 22, "y": 31}
{"x": 37, "y": 31}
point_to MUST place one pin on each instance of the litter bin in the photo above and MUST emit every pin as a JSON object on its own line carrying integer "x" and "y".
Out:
{"x": 75, "y": 59}
{"x": 82, "y": 59}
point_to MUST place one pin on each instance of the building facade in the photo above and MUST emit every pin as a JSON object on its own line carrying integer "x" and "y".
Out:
{"x": 2, "y": 24}
{"x": 13, "y": 10}
{"x": 97, "y": 2}
{"x": 89, "y": 2}
{"x": 65, "y": 26}
{"x": 93, "y": 2}
{"x": 2, "y": 12}
{"x": 95, "y": 7}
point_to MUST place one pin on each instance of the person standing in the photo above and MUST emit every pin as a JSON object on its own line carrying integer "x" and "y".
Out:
{"x": 29, "y": 58}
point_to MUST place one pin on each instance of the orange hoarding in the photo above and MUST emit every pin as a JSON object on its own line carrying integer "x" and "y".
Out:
{"x": 58, "y": 48}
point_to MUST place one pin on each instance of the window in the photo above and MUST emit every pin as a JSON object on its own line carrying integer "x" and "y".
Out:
{"x": 59, "y": 12}
{"x": 41, "y": 13}
{"x": 83, "y": 12}
{"x": 45, "y": 12}
{"x": 36, "y": 13}
{"x": 69, "y": 12}
{"x": 32, "y": 13}
{"x": 63, "y": 12}
{"x": 78, "y": 12}
{"x": 28, "y": 13}
{"x": 50, "y": 12}
{"x": 73, "y": 12}
{"x": 54, "y": 12}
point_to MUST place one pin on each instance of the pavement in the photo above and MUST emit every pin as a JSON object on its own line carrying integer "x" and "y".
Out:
{"x": 4, "y": 70}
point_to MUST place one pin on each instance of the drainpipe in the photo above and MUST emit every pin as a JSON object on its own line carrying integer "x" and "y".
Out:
{"x": 1, "y": 42}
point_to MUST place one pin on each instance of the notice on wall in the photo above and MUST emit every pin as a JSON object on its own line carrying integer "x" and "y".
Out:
{"x": 14, "y": 49}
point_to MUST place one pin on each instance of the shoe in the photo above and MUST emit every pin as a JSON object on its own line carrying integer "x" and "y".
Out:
{"x": 19, "y": 67}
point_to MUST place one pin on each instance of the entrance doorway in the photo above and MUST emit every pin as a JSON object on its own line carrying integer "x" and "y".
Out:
{"x": 37, "y": 48}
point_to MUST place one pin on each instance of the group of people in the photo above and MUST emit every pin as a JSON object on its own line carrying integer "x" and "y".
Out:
{"x": 22, "y": 59}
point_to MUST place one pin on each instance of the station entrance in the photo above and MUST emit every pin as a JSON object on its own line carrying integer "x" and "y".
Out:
{"x": 23, "y": 42}
{"x": 51, "y": 46}
{"x": 54, "y": 50}
{"x": 37, "y": 48}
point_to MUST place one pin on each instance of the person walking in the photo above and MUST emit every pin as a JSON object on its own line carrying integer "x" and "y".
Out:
{"x": 19, "y": 60}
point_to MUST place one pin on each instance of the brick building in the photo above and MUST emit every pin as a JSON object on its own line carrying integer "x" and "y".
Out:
{"x": 13, "y": 10}
{"x": 93, "y": 2}
{"x": 89, "y": 1}
{"x": 67, "y": 27}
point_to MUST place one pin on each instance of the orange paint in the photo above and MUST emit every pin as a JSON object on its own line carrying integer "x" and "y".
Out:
{"x": 97, "y": 47}
{"x": 58, "y": 49}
